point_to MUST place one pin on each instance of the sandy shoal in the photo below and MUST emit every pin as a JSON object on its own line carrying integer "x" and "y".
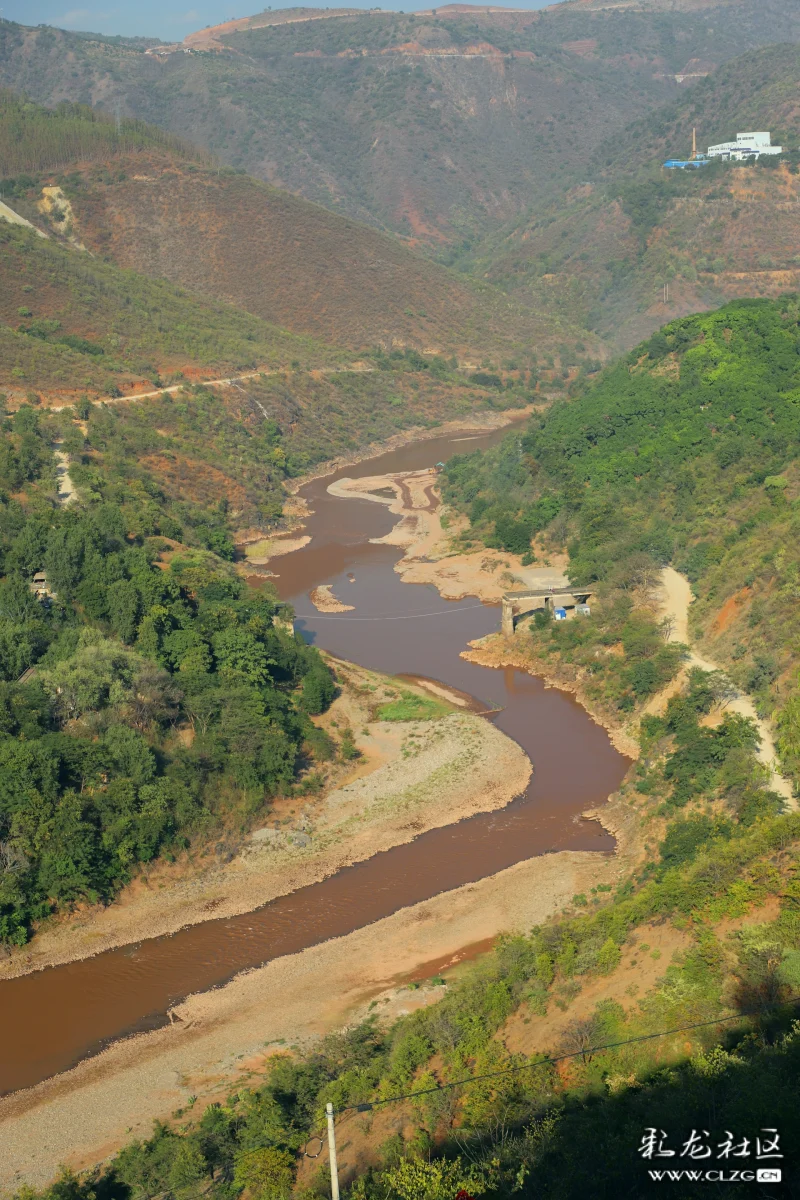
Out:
{"x": 426, "y": 774}
{"x": 325, "y": 601}
{"x": 85, "y": 1115}
{"x": 427, "y": 554}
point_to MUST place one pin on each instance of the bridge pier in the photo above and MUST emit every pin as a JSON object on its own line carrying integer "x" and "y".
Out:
{"x": 507, "y": 621}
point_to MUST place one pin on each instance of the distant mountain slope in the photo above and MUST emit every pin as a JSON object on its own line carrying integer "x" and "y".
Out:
{"x": 293, "y": 263}
{"x": 759, "y": 90}
{"x": 436, "y": 125}
{"x": 607, "y": 252}
{"x": 142, "y": 200}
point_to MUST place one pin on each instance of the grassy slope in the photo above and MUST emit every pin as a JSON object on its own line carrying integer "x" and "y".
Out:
{"x": 603, "y": 254}
{"x": 136, "y": 329}
{"x": 430, "y": 147}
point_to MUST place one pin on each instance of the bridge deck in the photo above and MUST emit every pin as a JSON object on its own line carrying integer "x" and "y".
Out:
{"x": 534, "y": 593}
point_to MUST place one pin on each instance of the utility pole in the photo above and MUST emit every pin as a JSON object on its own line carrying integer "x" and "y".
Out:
{"x": 332, "y": 1151}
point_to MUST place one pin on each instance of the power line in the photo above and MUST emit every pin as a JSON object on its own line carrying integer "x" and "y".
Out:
{"x": 443, "y": 612}
{"x": 546, "y": 1062}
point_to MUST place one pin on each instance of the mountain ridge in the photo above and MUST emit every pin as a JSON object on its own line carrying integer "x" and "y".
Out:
{"x": 402, "y": 120}
{"x": 147, "y": 203}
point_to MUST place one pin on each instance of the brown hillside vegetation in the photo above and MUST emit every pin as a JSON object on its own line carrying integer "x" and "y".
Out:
{"x": 211, "y": 38}
{"x": 732, "y": 236}
{"x": 759, "y": 90}
{"x": 604, "y": 254}
{"x": 238, "y": 442}
{"x": 142, "y": 200}
{"x": 289, "y": 262}
{"x": 438, "y": 126}
{"x": 70, "y": 323}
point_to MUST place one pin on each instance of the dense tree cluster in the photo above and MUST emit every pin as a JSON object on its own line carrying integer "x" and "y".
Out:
{"x": 156, "y": 698}
{"x": 655, "y": 438}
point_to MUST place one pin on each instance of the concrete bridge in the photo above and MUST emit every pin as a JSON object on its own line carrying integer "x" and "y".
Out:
{"x": 518, "y": 604}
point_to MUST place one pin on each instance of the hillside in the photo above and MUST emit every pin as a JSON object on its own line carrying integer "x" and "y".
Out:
{"x": 654, "y": 1018}
{"x": 603, "y": 254}
{"x": 142, "y": 200}
{"x": 71, "y": 324}
{"x": 290, "y": 262}
{"x": 685, "y": 451}
{"x": 438, "y": 126}
{"x": 122, "y": 645}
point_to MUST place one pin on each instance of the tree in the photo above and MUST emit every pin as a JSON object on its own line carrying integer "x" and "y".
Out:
{"x": 188, "y": 1165}
{"x": 414, "y": 1179}
{"x": 129, "y": 754}
{"x": 123, "y": 604}
{"x": 318, "y": 690}
{"x": 608, "y": 957}
{"x": 580, "y": 1036}
{"x": 68, "y": 867}
{"x": 267, "y": 1173}
{"x": 788, "y": 723}
{"x": 240, "y": 655}
{"x": 98, "y": 674}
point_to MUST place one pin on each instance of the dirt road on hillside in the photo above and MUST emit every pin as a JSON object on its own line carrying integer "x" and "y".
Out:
{"x": 676, "y": 596}
{"x": 231, "y": 381}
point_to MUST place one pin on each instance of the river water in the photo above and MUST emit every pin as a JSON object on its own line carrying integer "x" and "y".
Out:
{"x": 65, "y": 1013}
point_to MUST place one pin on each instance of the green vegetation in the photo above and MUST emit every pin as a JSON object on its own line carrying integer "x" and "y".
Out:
{"x": 161, "y": 702}
{"x": 54, "y": 296}
{"x": 620, "y": 648}
{"x": 35, "y": 139}
{"x": 527, "y": 1132}
{"x": 682, "y": 452}
{"x": 409, "y": 707}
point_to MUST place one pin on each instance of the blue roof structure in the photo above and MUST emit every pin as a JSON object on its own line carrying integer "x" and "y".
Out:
{"x": 672, "y": 163}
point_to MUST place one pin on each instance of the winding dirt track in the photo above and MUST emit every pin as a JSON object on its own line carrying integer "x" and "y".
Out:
{"x": 676, "y": 598}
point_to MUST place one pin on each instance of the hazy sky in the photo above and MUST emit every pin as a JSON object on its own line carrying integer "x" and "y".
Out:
{"x": 169, "y": 20}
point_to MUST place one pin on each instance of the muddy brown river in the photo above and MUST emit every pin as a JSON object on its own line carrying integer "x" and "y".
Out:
{"x": 66, "y": 1013}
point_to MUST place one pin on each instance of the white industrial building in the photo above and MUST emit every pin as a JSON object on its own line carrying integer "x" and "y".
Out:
{"x": 747, "y": 145}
